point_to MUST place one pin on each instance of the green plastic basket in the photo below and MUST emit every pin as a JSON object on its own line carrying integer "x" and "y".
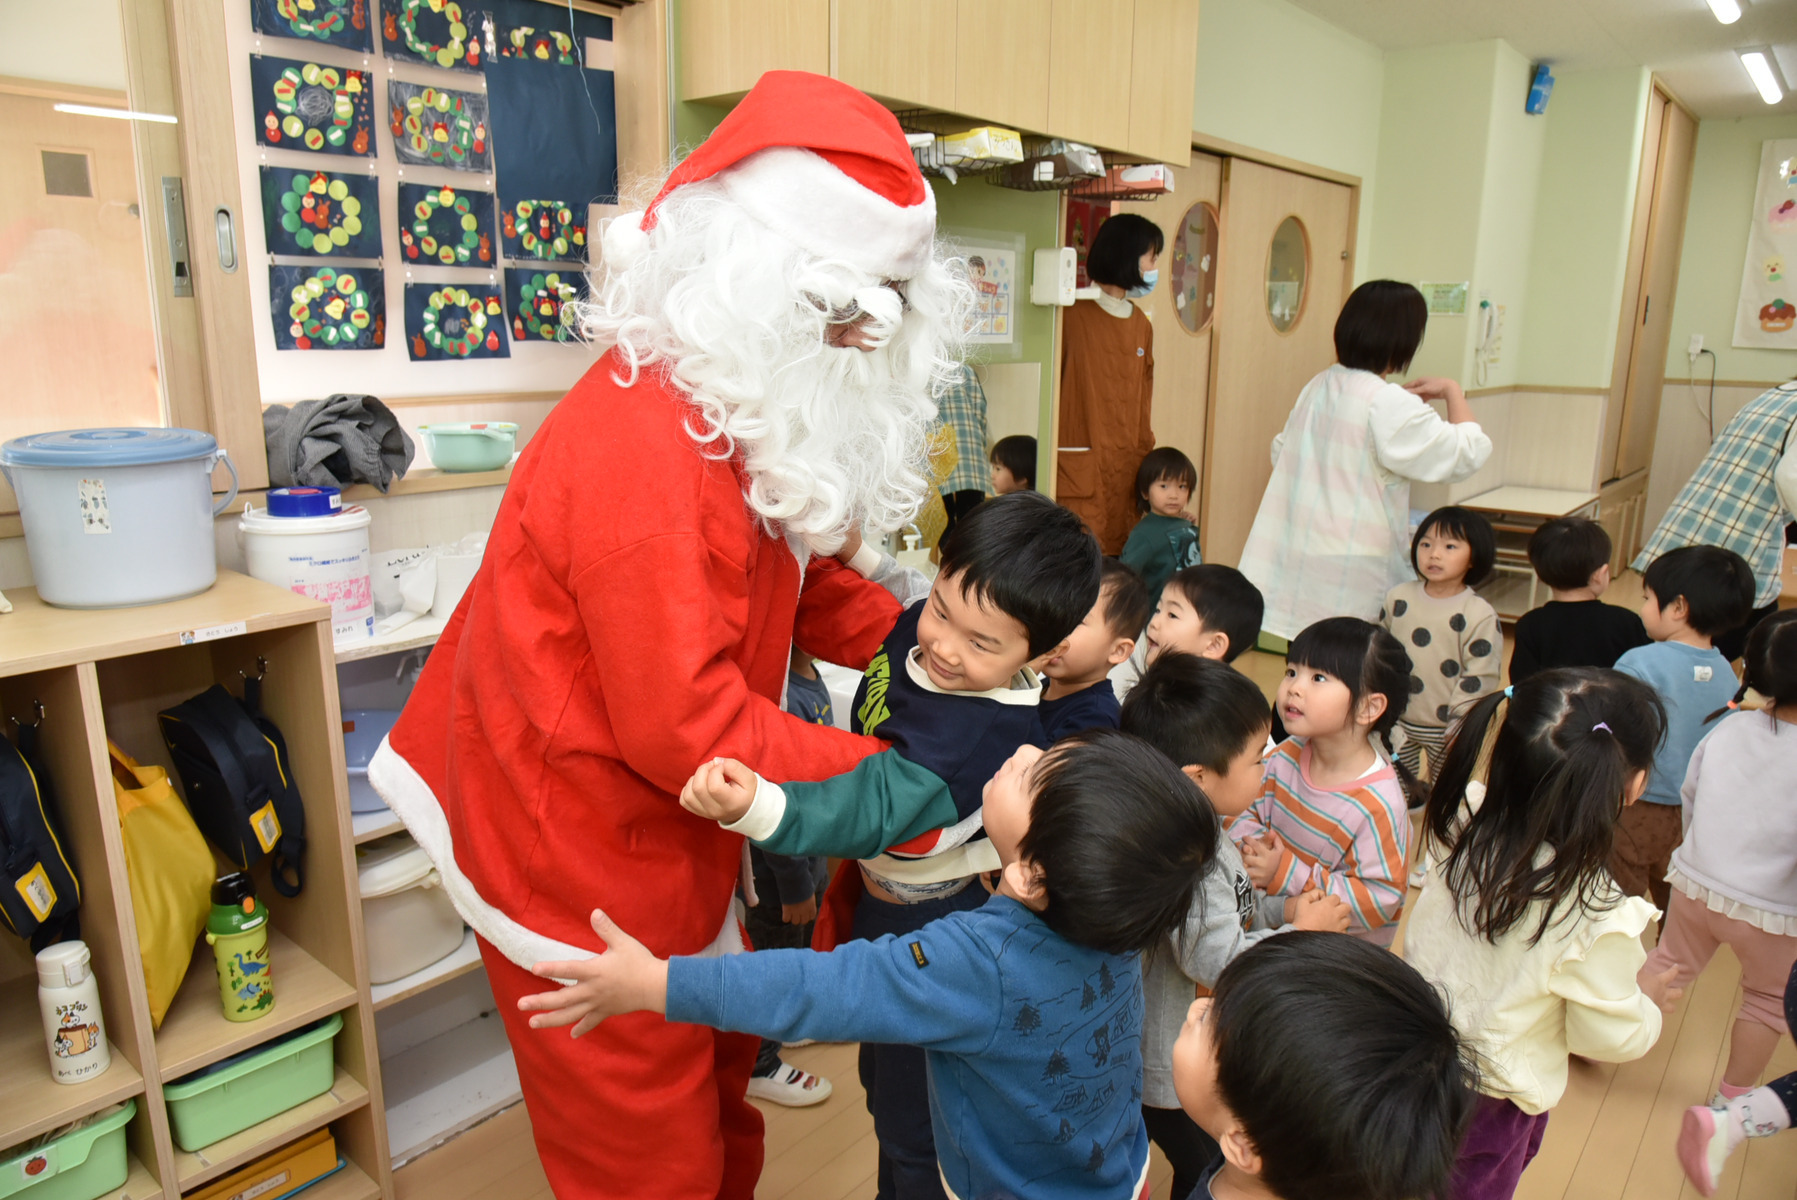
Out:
{"x": 77, "y": 1166}
{"x": 218, "y": 1103}
{"x": 470, "y": 446}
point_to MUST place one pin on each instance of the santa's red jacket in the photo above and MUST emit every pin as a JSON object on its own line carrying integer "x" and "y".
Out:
{"x": 632, "y": 619}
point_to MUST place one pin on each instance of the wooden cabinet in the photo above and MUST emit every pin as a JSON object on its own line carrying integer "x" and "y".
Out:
{"x": 725, "y": 45}
{"x": 1163, "y": 74}
{"x": 1001, "y": 50}
{"x": 1091, "y": 43}
{"x": 892, "y": 50}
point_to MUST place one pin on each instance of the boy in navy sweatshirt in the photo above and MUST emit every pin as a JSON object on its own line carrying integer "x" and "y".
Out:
{"x": 1028, "y": 1008}
{"x": 1079, "y": 694}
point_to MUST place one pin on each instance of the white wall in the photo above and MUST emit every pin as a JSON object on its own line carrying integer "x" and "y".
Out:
{"x": 66, "y": 41}
{"x": 1507, "y": 206}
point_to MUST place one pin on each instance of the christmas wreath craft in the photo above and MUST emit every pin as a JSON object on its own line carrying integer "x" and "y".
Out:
{"x": 327, "y": 308}
{"x": 312, "y": 106}
{"x": 540, "y": 45}
{"x": 449, "y": 321}
{"x": 437, "y": 127}
{"x": 543, "y": 229}
{"x": 445, "y": 226}
{"x": 325, "y": 213}
{"x": 334, "y": 22}
{"x": 437, "y": 33}
{"x": 538, "y": 303}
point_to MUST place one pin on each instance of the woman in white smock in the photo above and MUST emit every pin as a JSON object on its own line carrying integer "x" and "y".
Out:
{"x": 1332, "y": 535}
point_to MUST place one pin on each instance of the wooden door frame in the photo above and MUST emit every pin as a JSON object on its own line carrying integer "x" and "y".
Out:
{"x": 1226, "y": 149}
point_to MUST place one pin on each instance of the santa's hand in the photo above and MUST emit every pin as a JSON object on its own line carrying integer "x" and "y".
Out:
{"x": 622, "y": 978}
{"x": 1317, "y": 910}
{"x": 722, "y": 790}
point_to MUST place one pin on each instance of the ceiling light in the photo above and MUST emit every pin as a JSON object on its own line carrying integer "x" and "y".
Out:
{"x": 1764, "y": 76}
{"x": 1727, "y": 11}
{"x": 122, "y": 114}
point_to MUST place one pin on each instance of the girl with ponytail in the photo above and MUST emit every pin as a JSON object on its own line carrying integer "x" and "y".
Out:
{"x": 1519, "y": 921}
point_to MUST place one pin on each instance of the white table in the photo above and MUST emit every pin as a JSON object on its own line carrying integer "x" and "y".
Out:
{"x": 1516, "y": 512}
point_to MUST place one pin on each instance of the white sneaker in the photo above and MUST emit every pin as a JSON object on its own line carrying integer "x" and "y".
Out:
{"x": 791, "y": 1087}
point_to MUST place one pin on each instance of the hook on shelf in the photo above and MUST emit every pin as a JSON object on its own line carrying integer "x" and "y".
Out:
{"x": 261, "y": 670}
{"x": 37, "y": 707}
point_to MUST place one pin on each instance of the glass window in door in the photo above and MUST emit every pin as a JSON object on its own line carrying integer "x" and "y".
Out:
{"x": 1195, "y": 267}
{"x": 1288, "y": 265}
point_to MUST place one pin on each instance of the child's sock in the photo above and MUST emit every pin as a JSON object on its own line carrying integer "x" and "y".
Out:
{"x": 1729, "y": 1091}
{"x": 1758, "y": 1113}
{"x": 1711, "y": 1134}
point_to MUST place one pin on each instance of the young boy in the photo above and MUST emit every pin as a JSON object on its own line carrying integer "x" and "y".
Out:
{"x": 1079, "y": 693}
{"x": 1574, "y": 629}
{"x": 1691, "y": 595}
{"x": 1029, "y": 1008}
{"x": 1214, "y": 720}
{"x": 1164, "y": 540}
{"x": 1013, "y": 465}
{"x": 1324, "y": 1067}
{"x": 1209, "y": 610}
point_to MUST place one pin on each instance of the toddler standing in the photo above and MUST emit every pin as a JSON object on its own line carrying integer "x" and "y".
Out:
{"x": 1013, "y": 462}
{"x": 1164, "y": 540}
{"x": 1574, "y": 629}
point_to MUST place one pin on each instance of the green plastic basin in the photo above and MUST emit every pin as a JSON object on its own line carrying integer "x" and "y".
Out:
{"x": 229, "y": 1097}
{"x": 471, "y": 445}
{"x": 76, "y": 1166}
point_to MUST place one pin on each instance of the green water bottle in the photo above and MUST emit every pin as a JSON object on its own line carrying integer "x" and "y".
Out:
{"x": 237, "y": 931}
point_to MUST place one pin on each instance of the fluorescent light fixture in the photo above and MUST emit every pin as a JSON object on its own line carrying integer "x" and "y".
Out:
{"x": 1727, "y": 11}
{"x": 122, "y": 114}
{"x": 1764, "y": 75}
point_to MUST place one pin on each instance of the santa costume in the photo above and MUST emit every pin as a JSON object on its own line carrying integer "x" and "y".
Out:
{"x": 654, "y": 559}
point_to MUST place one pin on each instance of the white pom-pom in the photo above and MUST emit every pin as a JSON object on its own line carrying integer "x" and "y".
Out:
{"x": 624, "y": 241}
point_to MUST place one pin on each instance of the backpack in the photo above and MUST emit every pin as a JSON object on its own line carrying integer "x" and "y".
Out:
{"x": 238, "y": 781}
{"x": 41, "y": 894}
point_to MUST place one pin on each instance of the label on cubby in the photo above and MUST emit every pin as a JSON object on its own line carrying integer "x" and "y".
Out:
{"x": 212, "y": 633}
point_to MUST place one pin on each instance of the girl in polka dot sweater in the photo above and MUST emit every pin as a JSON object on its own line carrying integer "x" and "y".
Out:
{"x": 1455, "y": 644}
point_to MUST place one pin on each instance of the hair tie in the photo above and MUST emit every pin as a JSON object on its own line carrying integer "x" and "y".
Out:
{"x": 1605, "y": 726}
{"x": 1509, "y": 691}
{"x": 1733, "y": 704}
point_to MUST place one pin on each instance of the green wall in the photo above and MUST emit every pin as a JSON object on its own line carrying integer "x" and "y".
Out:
{"x": 1507, "y": 212}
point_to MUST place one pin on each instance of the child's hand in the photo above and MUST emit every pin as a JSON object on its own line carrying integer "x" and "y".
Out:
{"x": 1261, "y": 858}
{"x": 1661, "y": 988}
{"x": 623, "y": 978}
{"x": 850, "y": 546}
{"x": 1317, "y": 910}
{"x": 721, "y": 791}
{"x": 802, "y": 913}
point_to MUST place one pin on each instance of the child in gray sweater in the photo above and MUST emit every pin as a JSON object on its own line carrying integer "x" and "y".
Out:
{"x": 1213, "y": 721}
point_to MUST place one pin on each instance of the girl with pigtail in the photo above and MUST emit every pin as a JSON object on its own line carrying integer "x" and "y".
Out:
{"x": 1519, "y": 921}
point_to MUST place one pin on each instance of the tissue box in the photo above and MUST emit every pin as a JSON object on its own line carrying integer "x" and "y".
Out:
{"x": 1147, "y": 178}
{"x": 988, "y": 143}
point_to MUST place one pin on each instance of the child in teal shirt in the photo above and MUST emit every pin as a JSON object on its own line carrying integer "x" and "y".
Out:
{"x": 1164, "y": 540}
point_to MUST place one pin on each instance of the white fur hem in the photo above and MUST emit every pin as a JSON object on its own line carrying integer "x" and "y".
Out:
{"x": 413, "y": 802}
{"x": 808, "y": 200}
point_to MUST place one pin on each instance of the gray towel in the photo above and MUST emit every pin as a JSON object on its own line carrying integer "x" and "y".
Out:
{"x": 335, "y": 442}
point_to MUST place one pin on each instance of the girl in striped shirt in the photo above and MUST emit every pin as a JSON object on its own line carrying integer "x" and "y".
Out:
{"x": 1331, "y": 815}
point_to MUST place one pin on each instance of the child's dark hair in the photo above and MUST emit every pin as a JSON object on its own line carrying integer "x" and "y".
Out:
{"x": 1163, "y": 462}
{"x": 1340, "y": 1062}
{"x": 1363, "y": 656}
{"x": 1769, "y": 664}
{"x": 1466, "y": 526}
{"x": 1717, "y": 585}
{"x": 1570, "y": 743}
{"x": 1196, "y": 711}
{"x": 1567, "y": 551}
{"x": 1225, "y": 600}
{"x": 1127, "y": 604}
{"x": 1122, "y": 837}
{"x": 1017, "y": 454}
{"x": 1380, "y": 326}
{"x": 1118, "y": 247}
{"x": 1029, "y": 558}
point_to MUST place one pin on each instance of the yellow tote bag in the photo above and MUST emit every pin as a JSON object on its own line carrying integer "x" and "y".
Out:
{"x": 171, "y": 871}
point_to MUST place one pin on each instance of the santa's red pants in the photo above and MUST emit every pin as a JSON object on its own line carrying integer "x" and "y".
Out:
{"x": 638, "y": 1109}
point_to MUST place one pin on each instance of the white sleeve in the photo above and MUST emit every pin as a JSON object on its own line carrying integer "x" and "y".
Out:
{"x": 1413, "y": 440}
{"x": 908, "y": 585}
{"x": 1784, "y": 477}
{"x": 1278, "y": 445}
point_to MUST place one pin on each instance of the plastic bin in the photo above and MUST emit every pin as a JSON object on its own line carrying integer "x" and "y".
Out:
{"x": 230, "y": 1096}
{"x": 76, "y": 1166}
{"x": 410, "y": 920}
{"x": 363, "y": 729}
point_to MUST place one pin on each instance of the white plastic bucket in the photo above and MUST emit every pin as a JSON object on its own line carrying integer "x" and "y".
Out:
{"x": 325, "y": 558}
{"x": 407, "y": 915}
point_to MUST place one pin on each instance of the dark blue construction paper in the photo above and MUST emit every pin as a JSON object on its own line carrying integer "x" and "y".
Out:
{"x": 493, "y": 342}
{"x": 529, "y": 321}
{"x": 555, "y": 133}
{"x": 357, "y": 186}
{"x": 320, "y": 325}
{"x": 314, "y": 106}
{"x": 445, "y": 226}
{"x": 352, "y": 22}
{"x": 430, "y": 22}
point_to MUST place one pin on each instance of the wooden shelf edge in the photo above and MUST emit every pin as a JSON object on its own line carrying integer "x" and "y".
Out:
{"x": 139, "y": 1183}
{"x": 368, "y": 826}
{"x": 351, "y": 1183}
{"x": 420, "y": 633}
{"x": 458, "y": 962}
{"x": 196, "y": 1167}
{"x": 30, "y": 1101}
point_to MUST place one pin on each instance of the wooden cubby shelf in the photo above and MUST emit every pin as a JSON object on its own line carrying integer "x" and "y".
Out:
{"x": 30, "y": 1101}
{"x": 139, "y": 1183}
{"x": 351, "y": 1183}
{"x": 201, "y": 1166}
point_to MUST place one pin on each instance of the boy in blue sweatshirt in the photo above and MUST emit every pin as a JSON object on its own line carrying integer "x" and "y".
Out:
{"x": 1029, "y": 1008}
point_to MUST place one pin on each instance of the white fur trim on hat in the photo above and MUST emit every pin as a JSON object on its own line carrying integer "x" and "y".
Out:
{"x": 623, "y": 241}
{"x": 806, "y": 199}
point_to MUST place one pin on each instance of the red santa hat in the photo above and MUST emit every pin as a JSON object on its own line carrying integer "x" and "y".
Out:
{"x": 817, "y": 162}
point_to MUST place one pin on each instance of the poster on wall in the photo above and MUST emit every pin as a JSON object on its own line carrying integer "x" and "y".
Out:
{"x": 312, "y": 106}
{"x": 1766, "y": 314}
{"x": 328, "y": 214}
{"x": 446, "y": 226}
{"x": 453, "y": 321}
{"x": 538, "y": 300}
{"x": 439, "y": 127}
{"x": 993, "y": 272}
{"x": 1083, "y": 219}
{"x": 335, "y": 22}
{"x": 436, "y": 33}
{"x": 327, "y": 308}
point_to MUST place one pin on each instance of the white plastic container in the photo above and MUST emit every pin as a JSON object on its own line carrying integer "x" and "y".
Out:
{"x": 410, "y": 921}
{"x": 69, "y": 1002}
{"x": 118, "y": 517}
{"x": 307, "y": 542}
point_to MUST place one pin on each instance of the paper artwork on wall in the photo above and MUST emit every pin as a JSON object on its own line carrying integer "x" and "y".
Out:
{"x": 538, "y": 300}
{"x": 327, "y": 308}
{"x": 335, "y": 22}
{"x": 312, "y": 106}
{"x": 555, "y": 134}
{"x": 445, "y": 226}
{"x": 438, "y": 127}
{"x": 453, "y": 321}
{"x": 556, "y": 35}
{"x": 1766, "y": 314}
{"x": 330, "y": 214}
{"x": 993, "y": 272}
{"x": 544, "y": 230}
{"x": 437, "y": 33}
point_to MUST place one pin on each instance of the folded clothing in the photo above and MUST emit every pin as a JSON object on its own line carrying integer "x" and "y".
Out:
{"x": 335, "y": 442}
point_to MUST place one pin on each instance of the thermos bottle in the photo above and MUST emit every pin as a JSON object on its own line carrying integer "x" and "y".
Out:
{"x": 70, "y": 1004}
{"x": 237, "y": 931}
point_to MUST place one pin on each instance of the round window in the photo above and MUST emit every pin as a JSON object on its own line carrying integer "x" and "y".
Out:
{"x": 1288, "y": 263}
{"x": 1195, "y": 267}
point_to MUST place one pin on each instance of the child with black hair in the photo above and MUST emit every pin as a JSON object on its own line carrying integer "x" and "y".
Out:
{"x": 1209, "y": 610}
{"x": 1013, "y": 462}
{"x": 1165, "y": 540}
{"x": 1332, "y": 813}
{"x": 1213, "y": 721}
{"x": 1326, "y": 1069}
{"x": 1078, "y": 694}
{"x": 1692, "y": 595}
{"x": 1452, "y": 635}
{"x": 1519, "y": 921}
{"x": 1028, "y": 1008}
{"x": 1574, "y": 628}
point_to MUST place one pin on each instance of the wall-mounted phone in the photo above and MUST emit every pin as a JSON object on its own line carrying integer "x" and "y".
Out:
{"x": 1490, "y": 337}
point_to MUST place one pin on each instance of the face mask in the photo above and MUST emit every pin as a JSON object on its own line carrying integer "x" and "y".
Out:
{"x": 1149, "y": 279}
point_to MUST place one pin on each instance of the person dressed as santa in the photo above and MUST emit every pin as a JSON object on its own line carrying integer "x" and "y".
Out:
{"x": 778, "y": 321}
